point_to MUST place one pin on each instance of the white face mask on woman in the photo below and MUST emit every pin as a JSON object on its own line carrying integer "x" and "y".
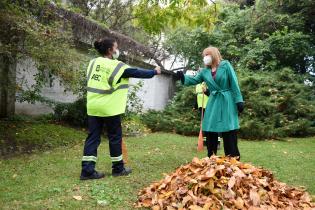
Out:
{"x": 116, "y": 54}
{"x": 207, "y": 60}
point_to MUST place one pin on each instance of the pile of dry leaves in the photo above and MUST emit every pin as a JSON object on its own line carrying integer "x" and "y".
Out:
{"x": 222, "y": 183}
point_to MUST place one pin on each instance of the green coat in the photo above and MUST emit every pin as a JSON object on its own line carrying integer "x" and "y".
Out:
{"x": 221, "y": 113}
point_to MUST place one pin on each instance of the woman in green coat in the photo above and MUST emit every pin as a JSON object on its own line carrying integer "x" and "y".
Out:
{"x": 224, "y": 104}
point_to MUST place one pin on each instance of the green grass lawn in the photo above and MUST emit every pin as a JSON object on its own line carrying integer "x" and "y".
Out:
{"x": 28, "y": 134}
{"x": 49, "y": 180}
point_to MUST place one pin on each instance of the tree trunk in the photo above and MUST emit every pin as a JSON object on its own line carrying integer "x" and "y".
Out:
{"x": 7, "y": 86}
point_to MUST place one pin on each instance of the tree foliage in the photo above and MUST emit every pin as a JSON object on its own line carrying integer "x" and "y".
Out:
{"x": 262, "y": 37}
{"x": 28, "y": 31}
{"x": 116, "y": 15}
{"x": 156, "y": 16}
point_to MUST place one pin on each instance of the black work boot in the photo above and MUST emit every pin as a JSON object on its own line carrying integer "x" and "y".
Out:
{"x": 124, "y": 172}
{"x": 95, "y": 175}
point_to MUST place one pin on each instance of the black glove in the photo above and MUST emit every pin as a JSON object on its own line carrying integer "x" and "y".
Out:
{"x": 207, "y": 93}
{"x": 180, "y": 76}
{"x": 240, "y": 106}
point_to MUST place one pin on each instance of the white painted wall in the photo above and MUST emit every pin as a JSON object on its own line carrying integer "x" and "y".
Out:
{"x": 156, "y": 92}
{"x": 25, "y": 72}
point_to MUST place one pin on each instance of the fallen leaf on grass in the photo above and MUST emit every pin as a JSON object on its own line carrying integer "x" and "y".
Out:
{"x": 102, "y": 202}
{"x": 77, "y": 197}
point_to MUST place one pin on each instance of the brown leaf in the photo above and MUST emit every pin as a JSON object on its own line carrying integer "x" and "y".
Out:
{"x": 211, "y": 172}
{"x": 233, "y": 161}
{"x": 231, "y": 182}
{"x": 168, "y": 194}
{"x": 239, "y": 203}
{"x": 220, "y": 167}
{"x": 207, "y": 206}
{"x": 230, "y": 194}
{"x": 194, "y": 198}
{"x": 186, "y": 199}
{"x": 147, "y": 202}
{"x": 156, "y": 207}
{"x": 239, "y": 173}
{"x": 263, "y": 182}
{"x": 196, "y": 161}
{"x": 220, "y": 160}
{"x": 255, "y": 198}
{"x": 195, "y": 207}
{"x": 182, "y": 190}
{"x": 162, "y": 186}
{"x": 193, "y": 181}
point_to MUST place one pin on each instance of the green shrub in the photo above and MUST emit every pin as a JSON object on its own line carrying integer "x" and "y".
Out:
{"x": 132, "y": 125}
{"x": 279, "y": 106}
{"x": 72, "y": 113}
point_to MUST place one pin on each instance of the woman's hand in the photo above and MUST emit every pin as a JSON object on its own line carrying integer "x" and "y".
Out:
{"x": 158, "y": 70}
{"x": 240, "y": 107}
{"x": 179, "y": 75}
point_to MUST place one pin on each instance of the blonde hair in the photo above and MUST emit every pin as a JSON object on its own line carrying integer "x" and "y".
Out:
{"x": 215, "y": 54}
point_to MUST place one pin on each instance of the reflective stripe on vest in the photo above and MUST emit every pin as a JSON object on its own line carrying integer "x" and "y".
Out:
{"x": 100, "y": 91}
{"x": 116, "y": 70}
{"x": 90, "y": 70}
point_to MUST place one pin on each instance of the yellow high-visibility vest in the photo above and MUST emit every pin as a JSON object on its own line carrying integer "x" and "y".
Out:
{"x": 199, "y": 93}
{"x": 106, "y": 90}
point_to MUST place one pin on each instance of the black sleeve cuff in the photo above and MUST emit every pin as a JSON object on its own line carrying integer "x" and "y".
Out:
{"x": 182, "y": 79}
{"x": 207, "y": 92}
{"x": 180, "y": 76}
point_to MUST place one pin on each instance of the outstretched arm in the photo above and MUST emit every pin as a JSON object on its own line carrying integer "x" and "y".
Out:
{"x": 187, "y": 80}
{"x": 139, "y": 73}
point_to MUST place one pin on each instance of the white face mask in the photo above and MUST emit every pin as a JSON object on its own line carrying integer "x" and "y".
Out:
{"x": 116, "y": 54}
{"x": 207, "y": 60}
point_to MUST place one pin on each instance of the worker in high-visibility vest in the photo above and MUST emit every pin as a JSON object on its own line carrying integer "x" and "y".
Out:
{"x": 200, "y": 91}
{"x": 107, "y": 88}
{"x": 202, "y": 100}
